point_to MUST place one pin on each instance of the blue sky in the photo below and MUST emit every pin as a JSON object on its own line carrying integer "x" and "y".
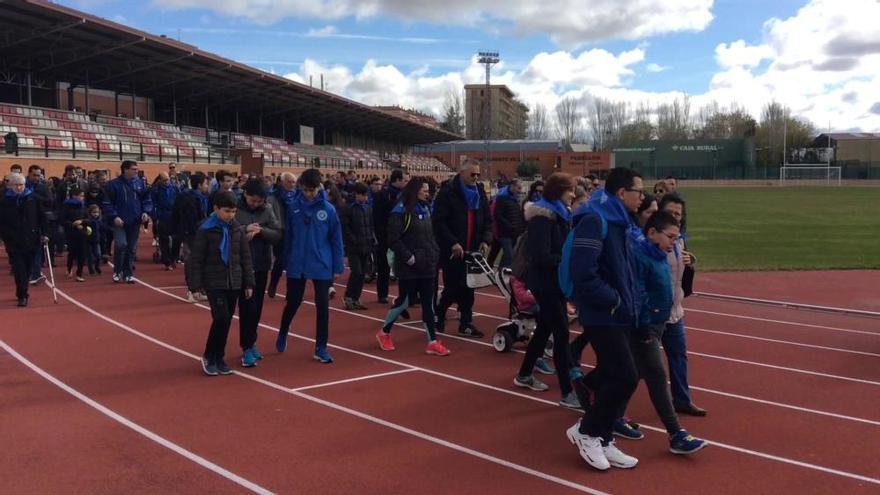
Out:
{"x": 420, "y": 50}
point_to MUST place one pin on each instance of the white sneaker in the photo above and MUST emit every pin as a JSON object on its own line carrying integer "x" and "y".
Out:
{"x": 589, "y": 447}
{"x": 617, "y": 458}
{"x": 332, "y": 292}
{"x": 202, "y": 297}
{"x": 190, "y": 298}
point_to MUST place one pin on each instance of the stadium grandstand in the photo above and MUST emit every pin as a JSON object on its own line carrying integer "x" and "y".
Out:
{"x": 78, "y": 87}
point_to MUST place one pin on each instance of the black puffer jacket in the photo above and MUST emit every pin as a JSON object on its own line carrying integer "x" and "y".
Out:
{"x": 412, "y": 234}
{"x": 509, "y": 219}
{"x": 22, "y": 223}
{"x": 383, "y": 202}
{"x": 451, "y": 219}
{"x": 187, "y": 213}
{"x": 547, "y": 233}
{"x": 358, "y": 233}
{"x": 261, "y": 244}
{"x": 208, "y": 270}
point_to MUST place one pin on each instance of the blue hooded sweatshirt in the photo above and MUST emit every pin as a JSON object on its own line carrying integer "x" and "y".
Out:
{"x": 313, "y": 237}
{"x": 602, "y": 268}
{"x": 653, "y": 283}
{"x": 126, "y": 199}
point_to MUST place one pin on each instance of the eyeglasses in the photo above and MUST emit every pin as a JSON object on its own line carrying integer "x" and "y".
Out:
{"x": 640, "y": 191}
{"x": 672, "y": 237}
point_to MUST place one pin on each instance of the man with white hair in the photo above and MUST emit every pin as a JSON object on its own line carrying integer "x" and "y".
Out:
{"x": 463, "y": 225}
{"x": 23, "y": 228}
{"x": 287, "y": 184}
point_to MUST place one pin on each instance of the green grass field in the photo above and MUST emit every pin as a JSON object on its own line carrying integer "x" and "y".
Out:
{"x": 795, "y": 228}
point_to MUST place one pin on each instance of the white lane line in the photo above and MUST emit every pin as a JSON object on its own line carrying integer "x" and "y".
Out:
{"x": 356, "y": 379}
{"x": 790, "y": 304}
{"x": 786, "y": 342}
{"x": 341, "y": 408}
{"x": 783, "y": 322}
{"x": 168, "y": 444}
{"x": 485, "y": 344}
{"x": 555, "y": 404}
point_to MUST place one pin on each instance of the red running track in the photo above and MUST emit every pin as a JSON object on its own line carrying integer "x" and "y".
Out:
{"x": 796, "y": 412}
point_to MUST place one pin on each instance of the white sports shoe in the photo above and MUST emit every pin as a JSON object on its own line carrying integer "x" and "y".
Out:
{"x": 589, "y": 447}
{"x": 617, "y": 458}
{"x": 190, "y": 298}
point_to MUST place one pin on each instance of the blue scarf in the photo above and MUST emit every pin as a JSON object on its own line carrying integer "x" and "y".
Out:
{"x": 471, "y": 195}
{"x": 536, "y": 196}
{"x": 213, "y": 222}
{"x": 203, "y": 200}
{"x": 73, "y": 202}
{"x": 557, "y": 207}
{"x": 10, "y": 195}
{"x": 649, "y": 248}
{"x": 423, "y": 209}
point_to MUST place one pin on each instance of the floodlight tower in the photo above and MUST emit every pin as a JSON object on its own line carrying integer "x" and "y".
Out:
{"x": 488, "y": 58}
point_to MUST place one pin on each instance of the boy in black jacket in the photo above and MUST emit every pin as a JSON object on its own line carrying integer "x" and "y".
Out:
{"x": 96, "y": 224}
{"x": 73, "y": 218}
{"x": 360, "y": 240}
{"x": 221, "y": 268}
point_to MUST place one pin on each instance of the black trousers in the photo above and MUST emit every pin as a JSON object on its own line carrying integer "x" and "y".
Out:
{"x": 296, "y": 289}
{"x": 21, "y": 270}
{"x": 552, "y": 319}
{"x": 169, "y": 247}
{"x": 94, "y": 257}
{"x": 251, "y": 310}
{"x": 383, "y": 271}
{"x": 277, "y": 264}
{"x": 357, "y": 263}
{"x": 410, "y": 289}
{"x": 222, "y": 309}
{"x": 645, "y": 345}
{"x": 615, "y": 379}
{"x": 456, "y": 291}
{"x": 76, "y": 252}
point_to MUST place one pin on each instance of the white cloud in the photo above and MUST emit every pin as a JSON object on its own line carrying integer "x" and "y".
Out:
{"x": 652, "y": 67}
{"x": 738, "y": 54}
{"x": 568, "y": 22}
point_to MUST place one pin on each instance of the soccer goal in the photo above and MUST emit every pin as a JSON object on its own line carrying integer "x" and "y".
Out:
{"x": 809, "y": 175}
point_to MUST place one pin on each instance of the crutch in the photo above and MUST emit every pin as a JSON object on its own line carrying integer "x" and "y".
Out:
{"x": 51, "y": 271}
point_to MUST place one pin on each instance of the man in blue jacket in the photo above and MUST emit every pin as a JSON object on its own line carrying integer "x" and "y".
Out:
{"x": 127, "y": 205}
{"x": 163, "y": 194}
{"x": 313, "y": 251}
{"x": 602, "y": 273}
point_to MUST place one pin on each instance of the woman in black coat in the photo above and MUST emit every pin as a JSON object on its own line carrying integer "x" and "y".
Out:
{"x": 411, "y": 237}
{"x": 548, "y": 221}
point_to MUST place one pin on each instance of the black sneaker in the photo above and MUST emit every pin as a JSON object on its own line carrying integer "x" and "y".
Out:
{"x": 222, "y": 367}
{"x": 209, "y": 367}
{"x": 22, "y": 302}
{"x": 272, "y": 290}
{"x": 471, "y": 331}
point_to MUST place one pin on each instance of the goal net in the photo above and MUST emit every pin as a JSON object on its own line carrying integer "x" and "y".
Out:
{"x": 818, "y": 174}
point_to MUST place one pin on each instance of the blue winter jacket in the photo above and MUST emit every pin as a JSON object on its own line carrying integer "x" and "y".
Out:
{"x": 653, "y": 283}
{"x": 602, "y": 269}
{"x": 127, "y": 200}
{"x": 163, "y": 202}
{"x": 313, "y": 237}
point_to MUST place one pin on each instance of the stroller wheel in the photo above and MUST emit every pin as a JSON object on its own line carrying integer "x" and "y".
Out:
{"x": 502, "y": 341}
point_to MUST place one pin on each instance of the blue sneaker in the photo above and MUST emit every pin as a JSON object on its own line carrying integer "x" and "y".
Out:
{"x": 575, "y": 373}
{"x": 248, "y": 359}
{"x": 322, "y": 355}
{"x": 685, "y": 443}
{"x": 257, "y": 354}
{"x": 624, "y": 430}
{"x": 542, "y": 366}
{"x": 281, "y": 341}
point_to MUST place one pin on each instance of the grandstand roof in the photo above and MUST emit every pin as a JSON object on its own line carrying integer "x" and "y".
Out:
{"x": 496, "y": 145}
{"x": 60, "y": 43}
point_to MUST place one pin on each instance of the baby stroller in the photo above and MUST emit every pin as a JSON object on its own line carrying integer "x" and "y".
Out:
{"x": 521, "y": 324}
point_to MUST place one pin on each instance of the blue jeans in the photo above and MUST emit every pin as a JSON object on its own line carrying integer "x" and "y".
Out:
{"x": 125, "y": 240}
{"x": 675, "y": 345}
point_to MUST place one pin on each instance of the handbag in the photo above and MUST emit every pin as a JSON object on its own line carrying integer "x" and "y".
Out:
{"x": 477, "y": 276}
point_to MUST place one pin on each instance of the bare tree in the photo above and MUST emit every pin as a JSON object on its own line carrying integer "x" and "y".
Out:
{"x": 674, "y": 120}
{"x": 778, "y": 134}
{"x": 568, "y": 120}
{"x": 597, "y": 118}
{"x": 539, "y": 122}
{"x": 453, "y": 112}
{"x": 714, "y": 122}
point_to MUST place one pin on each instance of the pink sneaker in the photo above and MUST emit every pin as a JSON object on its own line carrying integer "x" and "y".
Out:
{"x": 437, "y": 348}
{"x": 385, "y": 342}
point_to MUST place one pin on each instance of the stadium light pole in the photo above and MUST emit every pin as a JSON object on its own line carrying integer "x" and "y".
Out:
{"x": 488, "y": 59}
